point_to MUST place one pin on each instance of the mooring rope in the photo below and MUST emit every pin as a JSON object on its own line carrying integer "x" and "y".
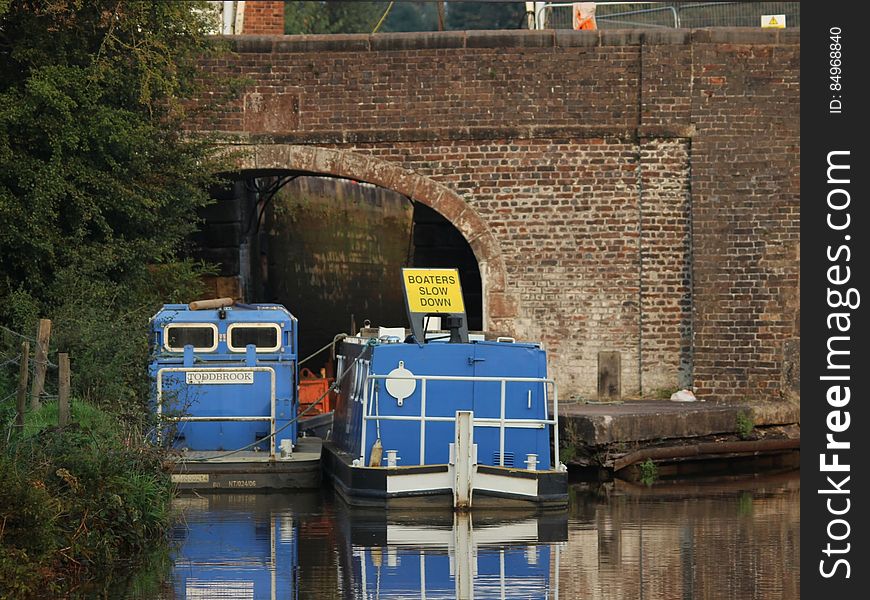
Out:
{"x": 371, "y": 343}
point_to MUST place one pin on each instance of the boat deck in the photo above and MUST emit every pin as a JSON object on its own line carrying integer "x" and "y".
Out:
{"x": 220, "y": 470}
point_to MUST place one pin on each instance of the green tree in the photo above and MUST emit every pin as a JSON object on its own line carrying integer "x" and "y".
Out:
{"x": 485, "y": 15}
{"x": 361, "y": 17}
{"x": 332, "y": 17}
{"x": 412, "y": 16}
{"x": 99, "y": 186}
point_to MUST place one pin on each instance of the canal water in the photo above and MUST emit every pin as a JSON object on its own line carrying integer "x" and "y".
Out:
{"x": 734, "y": 539}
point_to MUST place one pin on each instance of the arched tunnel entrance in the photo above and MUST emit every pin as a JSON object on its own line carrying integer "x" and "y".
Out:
{"x": 330, "y": 249}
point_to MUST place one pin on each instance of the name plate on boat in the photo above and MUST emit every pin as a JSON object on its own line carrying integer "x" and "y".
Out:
{"x": 189, "y": 477}
{"x": 214, "y": 376}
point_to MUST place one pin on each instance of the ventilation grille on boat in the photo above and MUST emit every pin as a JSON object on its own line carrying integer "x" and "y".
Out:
{"x": 508, "y": 459}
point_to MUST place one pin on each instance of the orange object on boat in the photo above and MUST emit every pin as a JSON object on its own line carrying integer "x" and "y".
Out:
{"x": 311, "y": 388}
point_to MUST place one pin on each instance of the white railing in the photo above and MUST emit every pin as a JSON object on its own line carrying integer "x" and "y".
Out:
{"x": 240, "y": 418}
{"x": 501, "y": 422}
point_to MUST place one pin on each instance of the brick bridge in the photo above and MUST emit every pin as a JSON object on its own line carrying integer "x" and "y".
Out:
{"x": 630, "y": 191}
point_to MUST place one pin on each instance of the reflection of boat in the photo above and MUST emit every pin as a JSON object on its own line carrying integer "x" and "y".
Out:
{"x": 461, "y": 424}
{"x": 226, "y": 396}
{"x": 302, "y": 545}
{"x": 238, "y": 546}
{"x": 460, "y": 556}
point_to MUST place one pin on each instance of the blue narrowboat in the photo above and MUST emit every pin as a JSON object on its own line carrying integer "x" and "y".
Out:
{"x": 443, "y": 423}
{"x": 225, "y": 396}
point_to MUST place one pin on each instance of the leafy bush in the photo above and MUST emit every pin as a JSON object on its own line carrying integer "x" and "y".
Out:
{"x": 99, "y": 191}
{"x": 745, "y": 425}
{"x": 99, "y": 185}
{"x": 648, "y": 472}
{"x": 76, "y": 502}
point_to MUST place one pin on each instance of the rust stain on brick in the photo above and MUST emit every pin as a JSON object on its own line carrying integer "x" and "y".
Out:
{"x": 271, "y": 112}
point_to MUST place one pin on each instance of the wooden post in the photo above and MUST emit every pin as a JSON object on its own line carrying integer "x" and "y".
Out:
{"x": 609, "y": 376}
{"x": 43, "y": 335}
{"x": 23, "y": 375}
{"x": 63, "y": 390}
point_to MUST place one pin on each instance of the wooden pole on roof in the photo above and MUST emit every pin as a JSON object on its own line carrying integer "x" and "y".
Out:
{"x": 210, "y": 304}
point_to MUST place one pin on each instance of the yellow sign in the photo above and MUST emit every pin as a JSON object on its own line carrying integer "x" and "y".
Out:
{"x": 773, "y": 21}
{"x": 433, "y": 290}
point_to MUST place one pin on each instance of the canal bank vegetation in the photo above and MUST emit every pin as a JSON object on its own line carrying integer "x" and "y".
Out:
{"x": 78, "y": 502}
{"x": 99, "y": 192}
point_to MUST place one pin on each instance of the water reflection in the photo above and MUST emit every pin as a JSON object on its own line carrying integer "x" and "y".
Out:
{"x": 309, "y": 545}
{"x": 736, "y": 539}
{"x": 461, "y": 556}
{"x": 237, "y": 546}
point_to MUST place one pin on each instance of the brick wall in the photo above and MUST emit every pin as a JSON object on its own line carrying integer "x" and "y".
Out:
{"x": 746, "y": 215}
{"x": 641, "y": 187}
{"x": 264, "y": 17}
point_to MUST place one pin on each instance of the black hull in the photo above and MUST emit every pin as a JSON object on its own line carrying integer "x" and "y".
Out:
{"x": 367, "y": 487}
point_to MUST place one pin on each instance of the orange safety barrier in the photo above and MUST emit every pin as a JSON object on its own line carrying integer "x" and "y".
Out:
{"x": 311, "y": 388}
{"x": 584, "y": 16}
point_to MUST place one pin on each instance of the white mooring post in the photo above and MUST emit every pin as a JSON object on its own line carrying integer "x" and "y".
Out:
{"x": 465, "y": 555}
{"x": 463, "y": 455}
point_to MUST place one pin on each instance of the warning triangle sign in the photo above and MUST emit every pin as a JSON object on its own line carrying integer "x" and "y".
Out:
{"x": 773, "y": 21}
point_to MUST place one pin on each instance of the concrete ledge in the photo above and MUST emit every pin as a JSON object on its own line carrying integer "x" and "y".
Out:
{"x": 790, "y": 36}
{"x": 320, "y": 43}
{"x": 250, "y": 44}
{"x": 519, "y": 38}
{"x": 567, "y": 38}
{"x": 418, "y": 41}
{"x": 621, "y": 37}
{"x": 735, "y": 35}
{"x": 513, "y": 38}
{"x": 645, "y": 420}
{"x": 667, "y": 37}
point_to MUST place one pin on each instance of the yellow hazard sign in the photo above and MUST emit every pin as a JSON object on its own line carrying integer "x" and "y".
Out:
{"x": 433, "y": 290}
{"x": 773, "y": 21}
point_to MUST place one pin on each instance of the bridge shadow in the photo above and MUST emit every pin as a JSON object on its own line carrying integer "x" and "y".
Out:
{"x": 331, "y": 247}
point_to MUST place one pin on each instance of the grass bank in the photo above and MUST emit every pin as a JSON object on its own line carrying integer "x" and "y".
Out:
{"x": 76, "y": 503}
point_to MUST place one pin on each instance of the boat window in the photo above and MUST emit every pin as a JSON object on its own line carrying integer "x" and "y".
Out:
{"x": 202, "y": 336}
{"x": 265, "y": 336}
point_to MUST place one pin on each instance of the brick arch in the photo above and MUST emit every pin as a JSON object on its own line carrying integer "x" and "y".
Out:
{"x": 350, "y": 165}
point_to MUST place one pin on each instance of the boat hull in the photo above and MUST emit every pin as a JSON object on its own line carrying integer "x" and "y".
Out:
{"x": 251, "y": 471}
{"x": 430, "y": 486}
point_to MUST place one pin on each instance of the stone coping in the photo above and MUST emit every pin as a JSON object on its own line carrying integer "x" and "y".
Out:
{"x": 518, "y": 38}
{"x": 646, "y": 420}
